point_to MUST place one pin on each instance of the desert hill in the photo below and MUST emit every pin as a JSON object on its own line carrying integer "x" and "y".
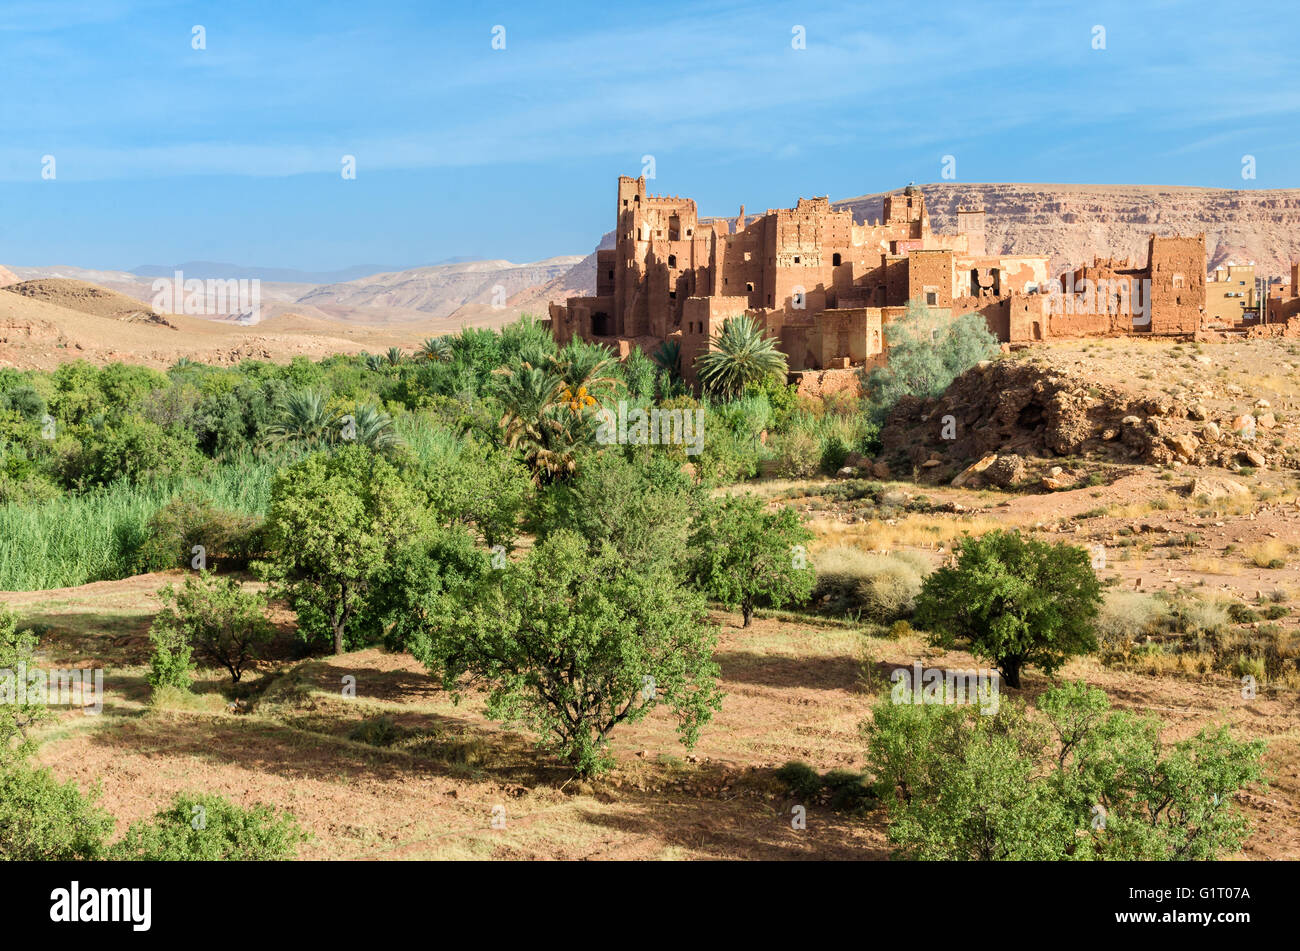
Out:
{"x": 441, "y": 291}
{"x": 38, "y": 333}
{"x": 85, "y": 298}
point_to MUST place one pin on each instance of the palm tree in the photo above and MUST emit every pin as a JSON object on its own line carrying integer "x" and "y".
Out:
{"x": 373, "y": 428}
{"x": 585, "y": 371}
{"x": 374, "y": 362}
{"x": 304, "y": 418}
{"x": 437, "y": 349}
{"x": 739, "y": 355}
{"x": 668, "y": 355}
{"x": 394, "y": 356}
{"x": 529, "y": 397}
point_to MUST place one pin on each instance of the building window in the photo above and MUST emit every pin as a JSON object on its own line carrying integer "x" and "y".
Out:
{"x": 611, "y": 275}
{"x": 746, "y": 255}
{"x": 672, "y": 295}
{"x": 796, "y": 259}
{"x": 672, "y": 260}
{"x": 624, "y": 202}
{"x": 835, "y": 260}
{"x": 749, "y": 286}
{"x": 1178, "y": 280}
{"x": 931, "y": 298}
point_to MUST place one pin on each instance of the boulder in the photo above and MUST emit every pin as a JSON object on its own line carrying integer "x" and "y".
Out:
{"x": 974, "y": 469}
{"x": 1006, "y": 470}
{"x": 1217, "y": 487}
{"x": 1184, "y": 445}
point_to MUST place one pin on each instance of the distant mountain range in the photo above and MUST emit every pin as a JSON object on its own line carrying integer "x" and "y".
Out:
{"x": 1071, "y": 224}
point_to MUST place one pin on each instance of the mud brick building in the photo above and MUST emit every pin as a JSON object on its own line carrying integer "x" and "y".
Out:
{"x": 1283, "y": 302}
{"x": 826, "y": 286}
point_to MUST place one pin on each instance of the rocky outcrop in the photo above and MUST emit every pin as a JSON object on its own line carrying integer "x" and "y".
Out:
{"x": 1075, "y": 223}
{"x": 997, "y": 413}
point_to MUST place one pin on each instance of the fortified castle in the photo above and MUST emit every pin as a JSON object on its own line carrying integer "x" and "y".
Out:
{"x": 825, "y": 285}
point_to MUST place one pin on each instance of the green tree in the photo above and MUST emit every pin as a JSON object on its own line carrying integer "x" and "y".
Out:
{"x": 304, "y": 419}
{"x": 744, "y": 554}
{"x": 333, "y": 522}
{"x": 226, "y": 625}
{"x": 1018, "y": 601}
{"x": 642, "y": 508}
{"x": 927, "y": 351}
{"x": 963, "y": 785}
{"x": 738, "y": 356}
{"x": 571, "y": 644}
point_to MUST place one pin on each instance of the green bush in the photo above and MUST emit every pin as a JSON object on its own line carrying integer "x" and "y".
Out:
{"x": 927, "y": 351}
{"x": 208, "y": 828}
{"x": 230, "y": 541}
{"x": 171, "y": 662}
{"x": 1081, "y": 782}
{"x": 43, "y": 820}
{"x": 17, "y": 650}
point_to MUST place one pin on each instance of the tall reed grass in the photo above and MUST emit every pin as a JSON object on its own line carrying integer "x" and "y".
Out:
{"x": 74, "y": 540}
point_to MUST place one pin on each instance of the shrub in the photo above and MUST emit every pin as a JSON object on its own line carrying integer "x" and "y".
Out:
{"x": 208, "y": 828}
{"x": 1082, "y": 782}
{"x": 1019, "y": 602}
{"x": 229, "y": 540}
{"x": 43, "y": 820}
{"x": 800, "y": 778}
{"x": 849, "y": 791}
{"x": 797, "y": 454}
{"x": 883, "y": 588}
{"x": 379, "y": 731}
{"x": 171, "y": 664}
{"x": 1268, "y": 554}
{"x": 1126, "y": 616}
{"x": 17, "y": 651}
{"x": 927, "y": 351}
{"x": 215, "y": 617}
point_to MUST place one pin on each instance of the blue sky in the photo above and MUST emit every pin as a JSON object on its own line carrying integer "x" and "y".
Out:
{"x": 164, "y": 153}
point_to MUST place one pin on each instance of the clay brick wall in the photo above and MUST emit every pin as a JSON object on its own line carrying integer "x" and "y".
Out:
{"x": 930, "y": 278}
{"x": 702, "y": 318}
{"x": 1177, "y": 273}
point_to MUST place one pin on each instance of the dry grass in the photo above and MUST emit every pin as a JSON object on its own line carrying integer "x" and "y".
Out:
{"x": 1270, "y": 553}
{"x": 932, "y": 532}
